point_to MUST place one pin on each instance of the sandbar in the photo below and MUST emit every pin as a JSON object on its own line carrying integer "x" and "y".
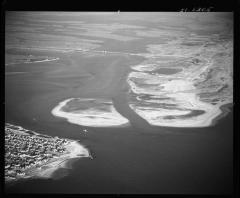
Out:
{"x": 102, "y": 114}
{"x": 182, "y": 99}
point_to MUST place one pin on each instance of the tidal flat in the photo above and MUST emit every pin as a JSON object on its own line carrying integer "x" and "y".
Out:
{"x": 106, "y": 62}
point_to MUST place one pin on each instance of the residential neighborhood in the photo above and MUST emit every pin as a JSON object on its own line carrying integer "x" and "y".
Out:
{"x": 26, "y": 150}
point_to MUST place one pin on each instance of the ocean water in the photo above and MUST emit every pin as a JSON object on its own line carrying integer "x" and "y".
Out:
{"x": 135, "y": 159}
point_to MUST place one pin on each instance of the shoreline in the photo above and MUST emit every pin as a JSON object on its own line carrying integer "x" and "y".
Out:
{"x": 225, "y": 110}
{"x": 97, "y": 121}
{"x": 220, "y": 111}
{"x": 75, "y": 150}
{"x": 46, "y": 170}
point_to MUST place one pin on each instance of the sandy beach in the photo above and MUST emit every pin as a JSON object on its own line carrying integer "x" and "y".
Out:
{"x": 144, "y": 92}
{"x": 182, "y": 90}
{"x": 74, "y": 150}
{"x": 104, "y": 116}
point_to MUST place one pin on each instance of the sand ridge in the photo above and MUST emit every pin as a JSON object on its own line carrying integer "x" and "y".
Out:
{"x": 94, "y": 117}
{"x": 179, "y": 89}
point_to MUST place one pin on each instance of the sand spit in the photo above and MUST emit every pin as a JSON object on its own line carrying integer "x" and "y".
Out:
{"x": 74, "y": 150}
{"x": 41, "y": 167}
{"x": 90, "y": 112}
{"x": 183, "y": 94}
{"x": 182, "y": 99}
{"x": 146, "y": 67}
{"x": 177, "y": 118}
{"x": 45, "y": 60}
{"x": 31, "y": 61}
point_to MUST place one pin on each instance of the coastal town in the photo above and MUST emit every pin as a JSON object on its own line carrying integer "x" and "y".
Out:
{"x": 28, "y": 153}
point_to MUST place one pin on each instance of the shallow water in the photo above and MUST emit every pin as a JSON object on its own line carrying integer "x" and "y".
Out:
{"x": 126, "y": 160}
{"x": 139, "y": 158}
{"x": 136, "y": 159}
{"x": 167, "y": 71}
